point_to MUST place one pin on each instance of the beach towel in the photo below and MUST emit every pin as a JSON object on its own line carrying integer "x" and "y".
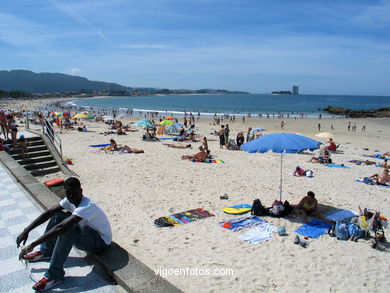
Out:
{"x": 99, "y": 145}
{"x": 182, "y": 218}
{"x": 362, "y": 181}
{"x": 337, "y": 166}
{"x": 377, "y": 157}
{"x": 259, "y": 234}
{"x": 341, "y": 215}
{"x": 314, "y": 229}
{"x": 166, "y": 138}
{"x": 242, "y": 223}
{"x": 210, "y": 161}
{"x": 306, "y": 176}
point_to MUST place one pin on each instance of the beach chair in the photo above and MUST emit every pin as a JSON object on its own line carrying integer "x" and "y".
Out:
{"x": 232, "y": 145}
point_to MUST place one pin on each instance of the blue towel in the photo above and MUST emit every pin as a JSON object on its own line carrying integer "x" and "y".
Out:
{"x": 341, "y": 215}
{"x": 314, "y": 229}
{"x": 241, "y": 223}
{"x": 99, "y": 145}
{"x": 377, "y": 156}
{"x": 337, "y": 166}
{"x": 166, "y": 138}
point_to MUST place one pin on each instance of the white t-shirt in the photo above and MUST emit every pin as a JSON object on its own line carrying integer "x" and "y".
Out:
{"x": 92, "y": 216}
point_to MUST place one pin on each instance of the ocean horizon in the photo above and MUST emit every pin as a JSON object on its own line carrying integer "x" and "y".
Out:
{"x": 234, "y": 104}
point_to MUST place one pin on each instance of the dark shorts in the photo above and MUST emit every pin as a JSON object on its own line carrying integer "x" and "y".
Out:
{"x": 222, "y": 140}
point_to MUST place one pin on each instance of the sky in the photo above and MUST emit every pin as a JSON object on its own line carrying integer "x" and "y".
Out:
{"x": 323, "y": 46}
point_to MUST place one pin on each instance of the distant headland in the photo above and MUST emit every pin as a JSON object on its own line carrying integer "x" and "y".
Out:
{"x": 295, "y": 91}
{"x": 64, "y": 85}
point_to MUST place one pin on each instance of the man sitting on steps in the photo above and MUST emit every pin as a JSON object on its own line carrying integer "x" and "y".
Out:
{"x": 77, "y": 221}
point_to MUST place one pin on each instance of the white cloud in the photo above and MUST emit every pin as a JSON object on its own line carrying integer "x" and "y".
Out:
{"x": 75, "y": 71}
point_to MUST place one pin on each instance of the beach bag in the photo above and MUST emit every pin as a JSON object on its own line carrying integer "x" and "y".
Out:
{"x": 309, "y": 173}
{"x": 355, "y": 231}
{"x": 368, "y": 181}
{"x": 277, "y": 209}
{"x": 257, "y": 208}
{"x": 341, "y": 231}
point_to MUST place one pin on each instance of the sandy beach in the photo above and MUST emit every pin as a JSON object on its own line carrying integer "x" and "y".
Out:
{"x": 136, "y": 189}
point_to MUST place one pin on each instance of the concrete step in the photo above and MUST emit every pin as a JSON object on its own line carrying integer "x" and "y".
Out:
{"x": 44, "y": 171}
{"x": 18, "y": 155}
{"x": 40, "y": 165}
{"x": 35, "y": 160}
{"x": 30, "y": 149}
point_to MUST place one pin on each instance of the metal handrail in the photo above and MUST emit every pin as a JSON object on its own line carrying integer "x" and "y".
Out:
{"x": 47, "y": 128}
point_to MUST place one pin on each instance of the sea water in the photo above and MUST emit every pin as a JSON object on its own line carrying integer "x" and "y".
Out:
{"x": 253, "y": 104}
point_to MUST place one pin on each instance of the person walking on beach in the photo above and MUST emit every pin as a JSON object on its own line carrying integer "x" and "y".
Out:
{"x": 77, "y": 221}
{"x": 282, "y": 124}
{"x": 249, "y": 134}
{"x": 227, "y": 131}
{"x": 221, "y": 134}
{"x": 349, "y": 126}
{"x": 319, "y": 126}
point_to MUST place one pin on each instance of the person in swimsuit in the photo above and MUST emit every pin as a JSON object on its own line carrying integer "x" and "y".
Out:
{"x": 308, "y": 206}
{"x": 4, "y": 125}
{"x": 115, "y": 147}
{"x": 201, "y": 156}
{"x": 171, "y": 145}
{"x": 14, "y": 131}
{"x": 205, "y": 145}
{"x": 221, "y": 134}
{"x": 381, "y": 179}
{"x": 332, "y": 147}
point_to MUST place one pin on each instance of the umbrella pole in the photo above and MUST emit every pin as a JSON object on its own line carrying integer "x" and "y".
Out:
{"x": 281, "y": 179}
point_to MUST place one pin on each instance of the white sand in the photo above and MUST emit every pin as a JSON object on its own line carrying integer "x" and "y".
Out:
{"x": 136, "y": 189}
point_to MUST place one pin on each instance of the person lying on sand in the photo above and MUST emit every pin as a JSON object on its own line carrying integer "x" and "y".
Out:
{"x": 308, "y": 206}
{"x": 302, "y": 172}
{"x": 381, "y": 179}
{"x": 171, "y": 145}
{"x": 201, "y": 156}
{"x": 115, "y": 147}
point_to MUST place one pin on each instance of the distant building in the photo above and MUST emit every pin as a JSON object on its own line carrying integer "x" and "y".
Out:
{"x": 295, "y": 90}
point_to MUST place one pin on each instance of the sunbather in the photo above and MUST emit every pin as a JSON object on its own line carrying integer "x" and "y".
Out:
{"x": 381, "y": 179}
{"x": 324, "y": 157}
{"x": 115, "y": 147}
{"x": 171, "y": 145}
{"x": 332, "y": 146}
{"x": 308, "y": 206}
{"x": 201, "y": 156}
{"x": 299, "y": 172}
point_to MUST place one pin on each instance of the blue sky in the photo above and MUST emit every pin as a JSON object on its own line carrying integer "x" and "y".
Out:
{"x": 324, "y": 46}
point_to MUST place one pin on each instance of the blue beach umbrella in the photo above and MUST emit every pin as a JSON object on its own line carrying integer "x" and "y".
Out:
{"x": 145, "y": 123}
{"x": 290, "y": 143}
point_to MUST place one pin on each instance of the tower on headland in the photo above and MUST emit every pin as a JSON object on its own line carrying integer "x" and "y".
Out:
{"x": 295, "y": 90}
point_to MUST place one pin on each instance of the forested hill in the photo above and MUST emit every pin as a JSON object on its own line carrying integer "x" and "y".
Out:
{"x": 28, "y": 81}
{"x": 64, "y": 84}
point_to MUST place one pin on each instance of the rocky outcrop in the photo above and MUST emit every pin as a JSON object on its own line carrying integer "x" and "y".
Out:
{"x": 381, "y": 112}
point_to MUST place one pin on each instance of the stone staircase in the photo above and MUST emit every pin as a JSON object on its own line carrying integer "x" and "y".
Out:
{"x": 40, "y": 161}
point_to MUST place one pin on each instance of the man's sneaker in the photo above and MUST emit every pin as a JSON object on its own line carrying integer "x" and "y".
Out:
{"x": 35, "y": 256}
{"x": 45, "y": 284}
